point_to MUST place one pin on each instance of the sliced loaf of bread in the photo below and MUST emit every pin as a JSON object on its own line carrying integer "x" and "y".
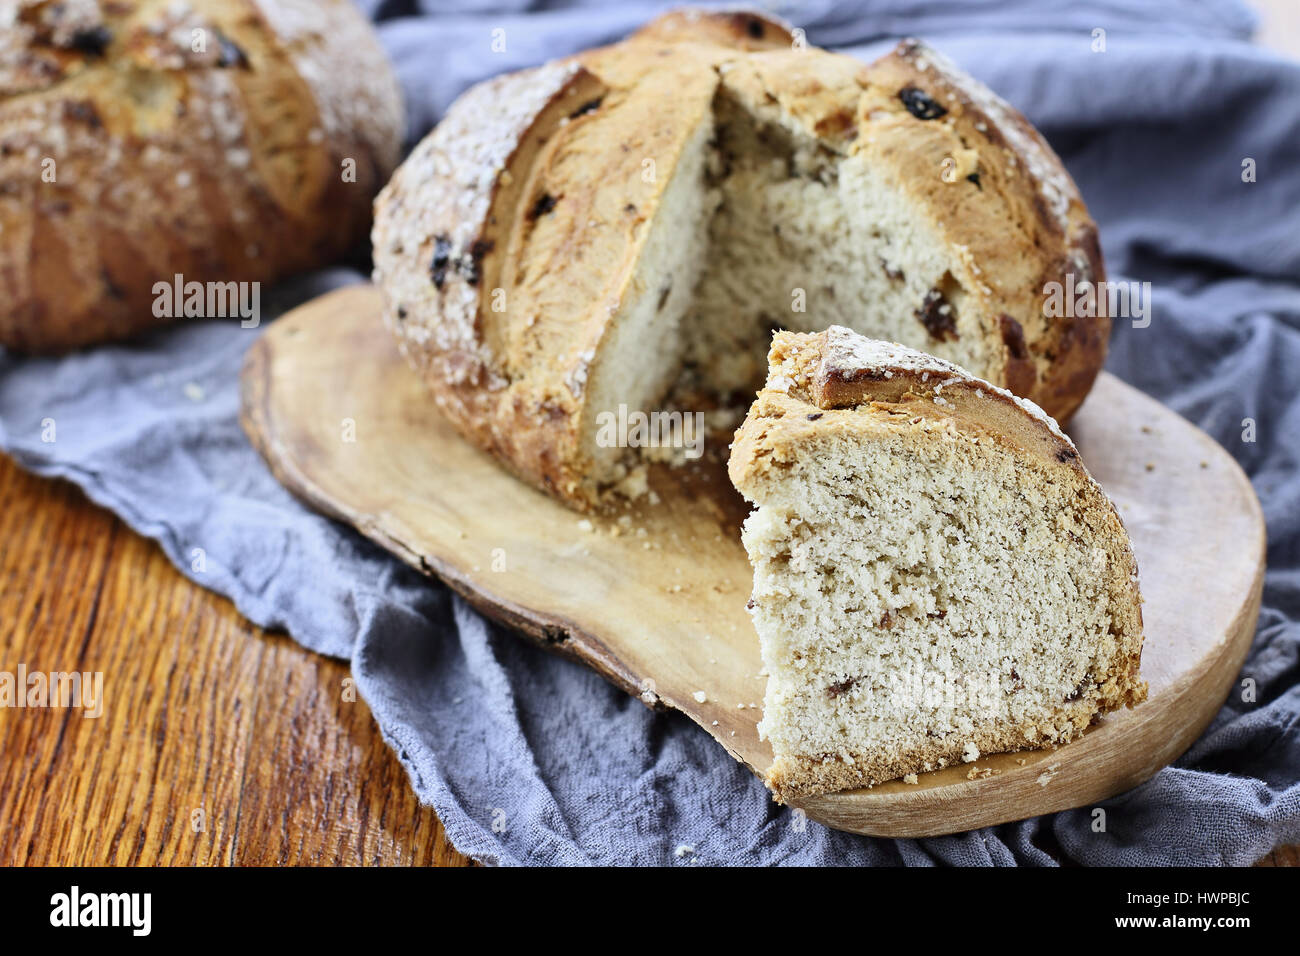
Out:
{"x": 936, "y": 575}
{"x": 627, "y": 227}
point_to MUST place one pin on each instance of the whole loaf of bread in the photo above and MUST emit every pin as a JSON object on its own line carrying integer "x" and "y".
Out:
{"x": 140, "y": 140}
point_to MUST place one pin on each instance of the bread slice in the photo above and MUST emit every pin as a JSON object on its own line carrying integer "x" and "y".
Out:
{"x": 936, "y": 575}
{"x": 628, "y": 226}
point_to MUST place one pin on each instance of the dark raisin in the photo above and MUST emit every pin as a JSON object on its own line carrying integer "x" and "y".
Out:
{"x": 471, "y": 263}
{"x": 750, "y": 605}
{"x": 112, "y": 288}
{"x": 975, "y": 178}
{"x": 842, "y": 687}
{"x": 663, "y": 296}
{"x": 229, "y": 54}
{"x": 83, "y": 111}
{"x": 1065, "y": 454}
{"x": 401, "y": 313}
{"x": 545, "y": 203}
{"x": 1013, "y": 337}
{"x": 92, "y": 42}
{"x": 755, "y": 28}
{"x": 441, "y": 259}
{"x": 814, "y": 416}
{"x": 920, "y": 104}
{"x": 937, "y": 316}
{"x": 588, "y": 107}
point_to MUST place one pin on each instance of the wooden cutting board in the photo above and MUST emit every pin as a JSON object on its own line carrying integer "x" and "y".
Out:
{"x": 654, "y": 599}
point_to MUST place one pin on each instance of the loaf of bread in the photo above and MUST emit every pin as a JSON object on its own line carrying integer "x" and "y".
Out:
{"x": 936, "y": 575}
{"x": 628, "y": 226}
{"x": 216, "y": 140}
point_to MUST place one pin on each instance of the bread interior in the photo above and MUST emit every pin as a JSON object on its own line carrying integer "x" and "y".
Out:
{"x": 919, "y": 602}
{"x": 763, "y": 227}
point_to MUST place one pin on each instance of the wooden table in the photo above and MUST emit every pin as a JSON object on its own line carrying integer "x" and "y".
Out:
{"x": 208, "y": 712}
{"x": 205, "y": 712}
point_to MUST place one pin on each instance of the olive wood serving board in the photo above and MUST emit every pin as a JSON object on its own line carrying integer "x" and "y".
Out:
{"x": 661, "y": 612}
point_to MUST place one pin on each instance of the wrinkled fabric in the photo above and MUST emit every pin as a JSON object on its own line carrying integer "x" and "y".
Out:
{"x": 531, "y": 759}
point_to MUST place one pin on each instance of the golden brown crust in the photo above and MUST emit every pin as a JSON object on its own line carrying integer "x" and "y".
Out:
{"x": 133, "y": 148}
{"x": 560, "y": 251}
{"x": 839, "y": 369}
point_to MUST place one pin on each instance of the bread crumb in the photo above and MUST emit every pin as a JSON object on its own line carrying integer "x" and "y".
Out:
{"x": 971, "y": 752}
{"x": 586, "y": 525}
{"x": 193, "y": 392}
{"x": 700, "y": 696}
{"x": 633, "y": 486}
{"x": 910, "y": 778}
{"x": 683, "y": 850}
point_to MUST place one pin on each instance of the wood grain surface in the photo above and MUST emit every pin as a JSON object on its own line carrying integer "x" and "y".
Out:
{"x": 653, "y": 595}
{"x": 203, "y": 711}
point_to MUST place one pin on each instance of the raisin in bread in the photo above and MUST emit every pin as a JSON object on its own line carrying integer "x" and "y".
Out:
{"x": 936, "y": 575}
{"x": 632, "y": 223}
{"x": 222, "y": 140}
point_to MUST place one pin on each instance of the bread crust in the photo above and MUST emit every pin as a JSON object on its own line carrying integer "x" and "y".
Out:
{"x": 511, "y": 378}
{"x": 134, "y": 147}
{"x": 1051, "y": 360}
{"x": 838, "y": 382}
